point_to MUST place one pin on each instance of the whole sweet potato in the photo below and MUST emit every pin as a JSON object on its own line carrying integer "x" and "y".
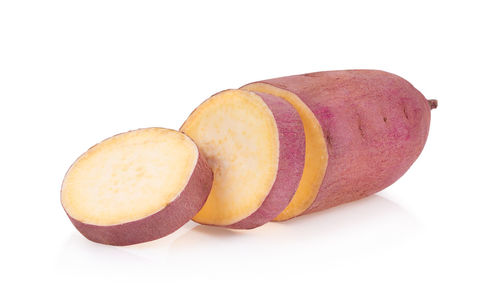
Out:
{"x": 374, "y": 125}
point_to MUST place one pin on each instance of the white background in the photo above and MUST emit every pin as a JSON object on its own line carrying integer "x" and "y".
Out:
{"x": 75, "y": 72}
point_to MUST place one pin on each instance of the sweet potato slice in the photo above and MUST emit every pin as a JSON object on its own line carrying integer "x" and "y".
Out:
{"x": 255, "y": 145}
{"x": 136, "y": 186}
{"x": 316, "y": 158}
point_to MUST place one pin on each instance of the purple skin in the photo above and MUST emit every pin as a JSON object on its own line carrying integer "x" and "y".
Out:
{"x": 290, "y": 164}
{"x": 172, "y": 217}
{"x": 375, "y": 125}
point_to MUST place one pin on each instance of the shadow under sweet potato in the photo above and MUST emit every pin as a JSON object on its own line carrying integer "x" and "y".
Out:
{"x": 364, "y": 218}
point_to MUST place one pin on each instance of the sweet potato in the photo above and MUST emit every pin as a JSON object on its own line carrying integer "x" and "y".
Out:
{"x": 255, "y": 145}
{"x": 364, "y": 129}
{"x": 136, "y": 186}
{"x": 271, "y": 150}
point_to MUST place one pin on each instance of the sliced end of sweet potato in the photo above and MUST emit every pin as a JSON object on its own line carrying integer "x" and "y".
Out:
{"x": 255, "y": 146}
{"x": 136, "y": 186}
{"x": 316, "y": 155}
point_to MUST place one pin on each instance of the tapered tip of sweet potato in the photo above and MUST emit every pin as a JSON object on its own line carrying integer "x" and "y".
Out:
{"x": 433, "y": 103}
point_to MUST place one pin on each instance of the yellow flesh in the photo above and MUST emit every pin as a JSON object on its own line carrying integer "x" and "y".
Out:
{"x": 316, "y": 152}
{"x": 129, "y": 176}
{"x": 237, "y": 133}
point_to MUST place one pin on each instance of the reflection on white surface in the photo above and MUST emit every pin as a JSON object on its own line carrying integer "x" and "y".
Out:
{"x": 372, "y": 217}
{"x": 338, "y": 233}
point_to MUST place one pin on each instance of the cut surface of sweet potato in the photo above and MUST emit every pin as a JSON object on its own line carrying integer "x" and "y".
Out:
{"x": 128, "y": 177}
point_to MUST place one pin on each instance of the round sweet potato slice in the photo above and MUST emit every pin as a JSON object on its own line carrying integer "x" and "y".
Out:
{"x": 136, "y": 186}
